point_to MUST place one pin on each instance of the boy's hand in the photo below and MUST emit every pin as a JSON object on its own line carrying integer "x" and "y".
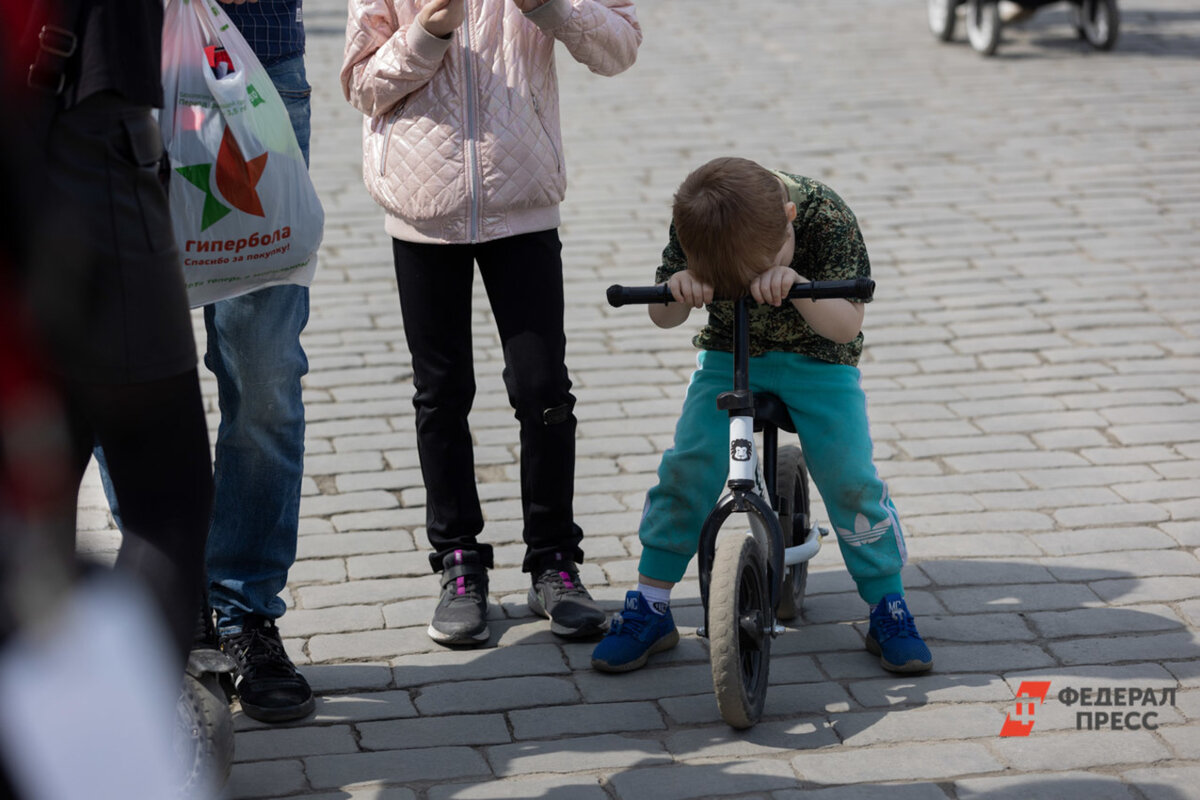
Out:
{"x": 440, "y": 18}
{"x": 772, "y": 286}
{"x": 689, "y": 291}
{"x": 528, "y": 5}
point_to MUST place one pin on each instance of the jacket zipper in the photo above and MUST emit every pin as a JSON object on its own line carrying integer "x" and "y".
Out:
{"x": 387, "y": 138}
{"x": 537, "y": 110}
{"x": 472, "y": 154}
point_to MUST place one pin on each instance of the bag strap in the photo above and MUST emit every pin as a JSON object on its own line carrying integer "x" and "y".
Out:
{"x": 57, "y": 42}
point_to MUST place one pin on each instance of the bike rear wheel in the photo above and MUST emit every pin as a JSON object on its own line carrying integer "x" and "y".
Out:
{"x": 738, "y": 630}
{"x": 983, "y": 25}
{"x": 791, "y": 485}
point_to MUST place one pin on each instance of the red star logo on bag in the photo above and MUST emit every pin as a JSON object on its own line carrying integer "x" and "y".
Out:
{"x": 236, "y": 179}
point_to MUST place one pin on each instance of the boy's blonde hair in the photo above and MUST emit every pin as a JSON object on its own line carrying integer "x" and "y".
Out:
{"x": 729, "y": 215}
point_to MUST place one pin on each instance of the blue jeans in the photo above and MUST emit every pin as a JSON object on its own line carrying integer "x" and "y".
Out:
{"x": 254, "y": 350}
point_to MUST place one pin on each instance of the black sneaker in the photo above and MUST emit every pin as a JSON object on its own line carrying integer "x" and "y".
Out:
{"x": 270, "y": 688}
{"x": 558, "y": 594}
{"x": 461, "y": 614}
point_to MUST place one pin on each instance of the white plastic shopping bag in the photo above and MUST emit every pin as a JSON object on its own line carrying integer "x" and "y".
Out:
{"x": 244, "y": 209}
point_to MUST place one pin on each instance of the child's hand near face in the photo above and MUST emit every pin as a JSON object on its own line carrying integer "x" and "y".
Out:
{"x": 689, "y": 293}
{"x": 440, "y": 18}
{"x": 687, "y": 289}
{"x": 772, "y": 286}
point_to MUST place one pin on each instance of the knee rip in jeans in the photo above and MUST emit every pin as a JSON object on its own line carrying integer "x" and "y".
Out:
{"x": 558, "y": 414}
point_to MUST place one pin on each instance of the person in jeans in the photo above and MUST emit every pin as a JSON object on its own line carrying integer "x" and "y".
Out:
{"x": 254, "y": 350}
{"x": 461, "y": 147}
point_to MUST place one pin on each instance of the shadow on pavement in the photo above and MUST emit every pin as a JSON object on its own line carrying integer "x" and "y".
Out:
{"x": 529, "y": 709}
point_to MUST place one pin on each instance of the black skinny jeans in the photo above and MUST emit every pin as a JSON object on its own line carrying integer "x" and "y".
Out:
{"x": 524, "y": 283}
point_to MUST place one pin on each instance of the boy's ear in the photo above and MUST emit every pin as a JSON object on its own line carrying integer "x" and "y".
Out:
{"x": 789, "y": 208}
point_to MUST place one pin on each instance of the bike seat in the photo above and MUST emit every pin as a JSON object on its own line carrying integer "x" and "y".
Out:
{"x": 769, "y": 408}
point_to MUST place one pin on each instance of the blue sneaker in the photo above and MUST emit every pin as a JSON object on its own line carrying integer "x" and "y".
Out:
{"x": 635, "y": 634}
{"x": 893, "y": 637}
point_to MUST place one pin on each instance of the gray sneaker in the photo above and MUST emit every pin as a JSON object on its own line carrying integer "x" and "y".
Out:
{"x": 558, "y": 594}
{"x": 461, "y": 614}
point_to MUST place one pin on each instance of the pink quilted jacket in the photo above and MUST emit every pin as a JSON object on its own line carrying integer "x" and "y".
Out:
{"x": 461, "y": 138}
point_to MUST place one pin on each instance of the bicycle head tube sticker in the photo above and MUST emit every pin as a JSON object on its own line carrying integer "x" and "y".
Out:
{"x": 739, "y": 449}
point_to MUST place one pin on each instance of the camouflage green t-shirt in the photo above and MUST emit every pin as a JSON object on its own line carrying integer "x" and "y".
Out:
{"x": 829, "y": 246}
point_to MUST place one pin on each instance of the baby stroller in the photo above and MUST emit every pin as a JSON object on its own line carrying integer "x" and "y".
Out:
{"x": 1096, "y": 21}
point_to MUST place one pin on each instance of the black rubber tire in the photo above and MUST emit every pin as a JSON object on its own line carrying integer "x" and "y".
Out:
{"x": 739, "y": 642}
{"x": 983, "y": 25}
{"x": 203, "y": 735}
{"x": 1098, "y": 22}
{"x": 942, "y": 16}
{"x": 791, "y": 484}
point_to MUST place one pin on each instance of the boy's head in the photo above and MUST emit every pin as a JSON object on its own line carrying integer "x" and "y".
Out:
{"x": 732, "y": 217}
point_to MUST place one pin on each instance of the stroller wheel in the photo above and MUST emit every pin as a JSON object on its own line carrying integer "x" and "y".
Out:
{"x": 942, "y": 16}
{"x": 1097, "y": 22}
{"x": 983, "y": 25}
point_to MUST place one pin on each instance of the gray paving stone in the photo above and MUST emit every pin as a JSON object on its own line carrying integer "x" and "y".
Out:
{"x": 550, "y": 722}
{"x": 456, "y": 729}
{"x": 406, "y": 766}
{"x": 703, "y": 780}
{"x": 495, "y": 695}
{"x": 1051, "y": 784}
{"x": 295, "y": 742}
{"x": 265, "y": 779}
{"x": 900, "y": 762}
{"x": 581, "y": 754}
{"x": 560, "y": 787}
{"x": 1079, "y": 750}
{"x": 1102, "y": 621}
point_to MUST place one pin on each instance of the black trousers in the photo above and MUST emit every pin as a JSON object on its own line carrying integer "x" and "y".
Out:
{"x": 524, "y": 283}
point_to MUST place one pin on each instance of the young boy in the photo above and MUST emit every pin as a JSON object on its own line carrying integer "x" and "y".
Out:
{"x": 739, "y": 227}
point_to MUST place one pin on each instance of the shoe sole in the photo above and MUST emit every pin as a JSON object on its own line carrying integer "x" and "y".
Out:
{"x": 590, "y": 631}
{"x": 909, "y": 666}
{"x": 264, "y": 714}
{"x": 665, "y": 643}
{"x": 452, "y": 639}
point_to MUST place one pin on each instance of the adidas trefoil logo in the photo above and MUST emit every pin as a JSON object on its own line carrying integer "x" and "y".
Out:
{"x": 864, "y": 532}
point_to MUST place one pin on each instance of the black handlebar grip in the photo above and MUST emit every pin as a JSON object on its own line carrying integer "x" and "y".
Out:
{"x": 856, "y": 289}
{"x": 623, "y": 295}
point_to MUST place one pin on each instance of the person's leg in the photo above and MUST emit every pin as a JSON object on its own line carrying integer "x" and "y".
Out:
{"x": 524, "y": 282}
{"x": 435, "y": 301}
{"x": 690, "y": 478}
{"x": 292, "y": 84}
{"x": 829, "y": 410}
{"x": 254, "y": 351}
{"x": 155, "y": 439}
{"x": 529, "y": 317}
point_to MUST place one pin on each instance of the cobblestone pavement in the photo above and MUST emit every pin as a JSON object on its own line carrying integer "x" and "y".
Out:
{"x": 1033, "y": 369}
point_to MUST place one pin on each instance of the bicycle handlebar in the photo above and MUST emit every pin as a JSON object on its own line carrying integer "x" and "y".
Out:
{"x": 862, "y": 289}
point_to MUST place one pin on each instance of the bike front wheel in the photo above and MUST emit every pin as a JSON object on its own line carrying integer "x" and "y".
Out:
{"x": 203, "y": 736}
{"x": 739, "y": 635}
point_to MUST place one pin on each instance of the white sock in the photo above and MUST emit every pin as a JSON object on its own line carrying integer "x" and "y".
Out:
{"x": 658, "y": 599}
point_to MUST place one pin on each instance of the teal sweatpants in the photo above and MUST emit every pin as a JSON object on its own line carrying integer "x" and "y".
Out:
{"x": 829, "y": 410}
